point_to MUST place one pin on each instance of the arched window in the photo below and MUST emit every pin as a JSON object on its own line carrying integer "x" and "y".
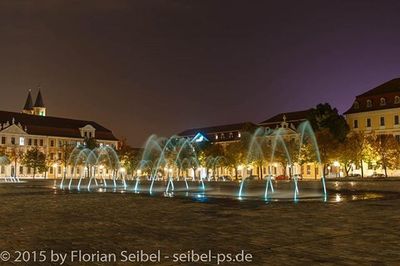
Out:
{"x": 396, "y": 99}
{"x": 356, "y": 105}
{"x": 369, "y": 103}
{"x": 382, "y": 101}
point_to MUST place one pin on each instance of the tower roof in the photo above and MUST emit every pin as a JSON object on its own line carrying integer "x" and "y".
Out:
{"x": 28, "y": 104}
{"x": 39, "y": 100}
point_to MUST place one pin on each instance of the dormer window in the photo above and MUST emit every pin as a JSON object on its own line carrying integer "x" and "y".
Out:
{"x": 356, "y": 105}
{"x": 88, "y": 131}
{"x": 369, "y": 103}
{"x": 382, "y": 101}
{"x": 396, "y": 99}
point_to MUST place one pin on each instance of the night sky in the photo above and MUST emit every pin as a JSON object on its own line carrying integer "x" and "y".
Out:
{"x": 158, "y": 66}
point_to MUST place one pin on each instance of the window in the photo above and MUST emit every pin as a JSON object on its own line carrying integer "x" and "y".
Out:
{"x": 369, "y": 103}
{"x": 85, "y": 134}
{"x": 382, "y": 121}
{"x": 3, "y": 169}
{"x": 21, "y": 170}
{"x": 59, "y": 156}
{"x": 396, "y": 119}
{"x": 41, "y": 142}
{"x": 51, "y": 170}
{"x": 30, "y": 142}
{"x": 308, "y": 169}
{"x": 22, "y": 141}
{"x": 60, "y": 143}
{"x": 396, "y": 99}
{"x": 13, "y": 141}
{"x": 239, "y": 135}
{"x": 59, "y": 170}
{"x": 51, "y": 143}
{"x": 231, "y": 135}
{"x": 382, "y": 101}
{"x": 355, "y": 123}
{"x": 90, "y": 134}
{"x": 51, "y": 156}
{"x": 397, "y": 138}
{"x": 35, "y": 142}
{"x": 28, "y": 170}
{"x": 216, "y": 136}
{"x": 368, "y": 122}
{"x": 3, "y": 140}
{"x": 356, "y": 105}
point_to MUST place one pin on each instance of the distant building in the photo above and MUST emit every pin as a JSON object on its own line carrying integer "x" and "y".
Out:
{"x": 376, "y": 111}
{"x": 222, "y": 134}
{"x": 33, "y": 128}
{"x": 287, "y": 123}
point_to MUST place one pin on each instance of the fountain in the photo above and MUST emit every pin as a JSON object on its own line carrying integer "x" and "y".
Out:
{"x": 172, "y": 167}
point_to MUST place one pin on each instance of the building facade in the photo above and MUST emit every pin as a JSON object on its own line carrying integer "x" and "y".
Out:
{"x": 284, "y": 124}
{"x": 32, "y": 127}
{"x": 376, "y": 111}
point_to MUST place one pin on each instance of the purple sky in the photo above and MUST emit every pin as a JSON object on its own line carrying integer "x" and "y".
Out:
{"x": 142, "y": 67}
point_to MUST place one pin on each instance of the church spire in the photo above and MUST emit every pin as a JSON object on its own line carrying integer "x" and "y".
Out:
{"x": 39, "y": 100}
{"x": 28, "y": 108}
{"x": 39, "y": 108}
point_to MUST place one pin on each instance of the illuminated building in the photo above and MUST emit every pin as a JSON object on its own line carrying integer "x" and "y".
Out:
{"x": 20, "y": 132}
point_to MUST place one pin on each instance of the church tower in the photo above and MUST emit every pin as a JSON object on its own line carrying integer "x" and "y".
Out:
{"x": 28, "y": 108}
{"x": 39, "y": 108}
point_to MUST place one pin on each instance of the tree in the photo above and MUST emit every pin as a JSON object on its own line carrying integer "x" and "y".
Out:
{"x": 66, "y": 152}
{"x": 35, "y": 159}
{"x": 129, "y": 157}
{"x": 356, "y": 149}
{"x": 387, "y": 149}
{"x": 330, "y": 129}
{"x": 323, "y": 116}
{"x": 15, "y": 154}
{"x": 235, "y": 155}
{"x": 4, "y": 160}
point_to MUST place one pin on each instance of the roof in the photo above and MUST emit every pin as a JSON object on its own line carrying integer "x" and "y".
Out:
{"x": 39, "y": 100}
{"x": 28, "y": 104}
{"x": 216, "y": 129}
{"x": 388, "y": 87}
{"x": 289, "y": 117}
{"x": 388, "y": 90}
{"x": 54, "y": 126}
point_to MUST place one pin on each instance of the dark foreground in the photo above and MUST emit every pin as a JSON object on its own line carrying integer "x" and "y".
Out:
{"x": 363, "y": 232}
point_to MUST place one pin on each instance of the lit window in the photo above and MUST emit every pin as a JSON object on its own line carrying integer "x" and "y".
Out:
{"x": 216, "y": 136}
{"x": 397, "y": 99}
{"x": 382, "y": 101}
{"x": 369, "y": 103}
{"x": 239, "y": 135}
{"x": 22, "y": 141}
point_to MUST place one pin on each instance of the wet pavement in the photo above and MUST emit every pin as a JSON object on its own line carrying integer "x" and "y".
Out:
{"x": 362, "y": 231}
